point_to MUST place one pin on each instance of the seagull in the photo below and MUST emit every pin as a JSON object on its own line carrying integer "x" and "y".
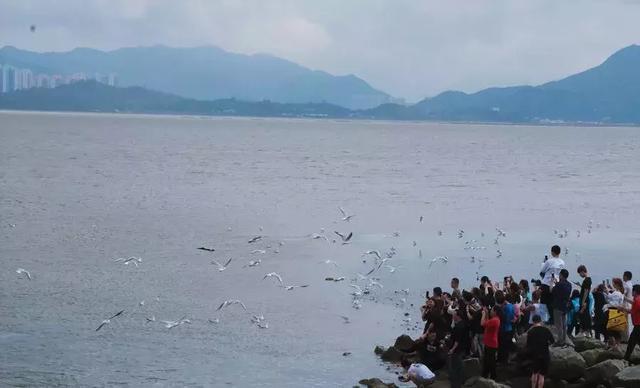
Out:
{"x": 345, "y": 239}
{"x": 172, "y": 324}
{"x": 498, "y": 253}
{"x": 258, "y": 251}
{"x": 332, "y": 279}
{"x": 207, "y": 249}
{"x": 414, "y": 243}
{"x": 421, "y": 218}
{"x": 257, "y": 238}
{"x": 396, "y": 234}
{"x": 229, "y": 303}
{"x": 152, "y": 319}
{"x": 257, "y": 318}
{"x": 444, "y": 259}
{"x": 109, "y": 319}
{"x": 460, "y": 233}
{"x": 374, "y": 269}
{"x": 330, "y": 262}
{"x": 439, "y": 233}
{"x": 21, "y": 271}
{"x": 263, "y": 325}
{"x": 345, "y": 319}
{"x": 345, "y": 216}
{"x": 220, "y": 266}
{"x": 32, "y": 28}
{"x": 254, "y": 263}
{"x": 375, "y": 283}
{"x": 289, "y": 288}
{"x": 356, "y": 304}
{"x": 391, "y": 268}
{"x": 141, "y": 303}
{"x": 134, "y": 260}
{"x": 317, "y": 236}
{"x": 376, "y": 253}
{"x": 215, "y": 321}
{"x": 358, "y": 290}
{"x": 273, "y": 274}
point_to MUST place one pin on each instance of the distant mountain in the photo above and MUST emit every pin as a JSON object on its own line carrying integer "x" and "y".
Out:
{"x": 206, "y": 73}
{"x": 608, "y": 93}
{"x": 91, "y": 96}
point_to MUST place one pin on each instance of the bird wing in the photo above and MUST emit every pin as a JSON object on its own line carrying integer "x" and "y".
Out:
{"x": 339, "y": 234}
{"x": 102, "y": 324}
{"x": 349, "y": 236}
{"x": 216, "y": 263}
{"x": 344, "y": 214}
{"x": 279, "y": 277}
{"x": 207, "y": 249}
{"x": 222, "y": 305}
{"x": 228, "y": 262}
{"x": 241, "y": 304}
{"x": 117, "y": 314}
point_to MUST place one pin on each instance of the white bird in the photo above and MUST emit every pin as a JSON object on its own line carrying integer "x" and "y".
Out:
{"x": 358, "y": 290}
{"x": 214, "y": 321}
{"x": 289, "y": 288}
{"x": 21, "y": 271}
{"x": 220, "y": 266}
{"x": 391, "y": 268}
{"x": 345, "y": 238}
{"x": 254, "y": 263}
{"x": 152, "y": 319}
{"x": 345, "y": 216}
{"x": 254, "y": 239}
{"x": 108, "y": 320}
{"x": 374, "y": 269}
{"x": 229, "y": 303}
{"x": 263, "y": 325}
{"x": 421, "y": 218}
{"x": 356, "y": 304}
{"x": 375, "y": 253}
{"x": 345, "y": 319}
{"x": 317, "y": 236}
{"x": 257, "y": 318}
{"x": 273, "y": 274}
{"x": 330, "y": 262}
{"x": 444, "y": 259}
{"x": 460, "y": 233}
{"x": 373, "y": 283}
{"x": 134, "y": 260}
{"x": 172, "y": 324}
{"x": 332, "y": 279}
{"x": 258, "y": 251}
{"x": 207, "y": 249}
{"x": 141, "y": 303}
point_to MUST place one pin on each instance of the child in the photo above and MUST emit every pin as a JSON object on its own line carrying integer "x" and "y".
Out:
{"x": 419, "y": 374}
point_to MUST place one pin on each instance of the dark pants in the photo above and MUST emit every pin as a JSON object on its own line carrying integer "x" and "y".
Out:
{"x": 505, "y": 344}
{"x": 546, "y": 298}
{"x": 456, "y": 370}
{"x": 489, "y": 363}
{"x": 600, "y": 326}
{"x": 634, "y": 339}
{"x": 585, "y": 322}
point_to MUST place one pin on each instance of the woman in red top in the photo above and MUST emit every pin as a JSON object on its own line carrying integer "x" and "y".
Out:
{"x": 634, "y": 338}
{"x": 491, "y": 323}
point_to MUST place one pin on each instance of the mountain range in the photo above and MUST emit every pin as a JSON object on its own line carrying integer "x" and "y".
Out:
{"x": 206, "y": 73}
{"x": 606, "y": 94}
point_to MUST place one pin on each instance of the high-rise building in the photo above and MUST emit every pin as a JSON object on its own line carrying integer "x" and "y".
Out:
{"x": 113, "y": 80}
{"x": 43, "y": 81}
{"x": 10, "y": 79}
{"x": 2, "y": 79}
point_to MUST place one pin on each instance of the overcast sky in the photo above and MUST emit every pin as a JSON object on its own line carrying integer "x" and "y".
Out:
{"x": 408, "y": 48}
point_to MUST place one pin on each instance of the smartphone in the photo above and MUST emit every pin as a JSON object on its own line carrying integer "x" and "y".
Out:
{"x": 427, "y": 294}
{"x": 546, "y": 258}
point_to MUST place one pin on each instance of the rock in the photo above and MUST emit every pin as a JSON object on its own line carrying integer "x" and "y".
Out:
{"x": 628, "y": 378}
{"x": 472, "y": 368}
{"x": 596, "y": 356}
{"x": 379, "y": 350}
{"x": 566, "y": 364}
{"x": 604, "y": 372}
{"x": 635, "y": 356}
{"x": 481, "y": 382}
{"x": 585, "y": 343}
{"x": 404, "y": 343}
{"x": 392, "y": 355}
{"x": 376, "y": 383}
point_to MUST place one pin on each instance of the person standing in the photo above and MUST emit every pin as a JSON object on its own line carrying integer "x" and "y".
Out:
{"x": 505, "y": 339}
{"x": 456, "y": 294}
{"x": 599, "y": 314}
{"x": 550, "y": 273}
{"x": 561, "y": 295}
{"x": 634, "y": 338}
{"x": 585, "y": 310}
{"x": 539, "y": 338}
{"x": 491, "y": 323}
{"x": 628, "y": 297}
{"x": 460, "y": 339}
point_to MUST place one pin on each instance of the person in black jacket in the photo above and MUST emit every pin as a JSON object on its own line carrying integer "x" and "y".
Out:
{"x": 561, "y": 294}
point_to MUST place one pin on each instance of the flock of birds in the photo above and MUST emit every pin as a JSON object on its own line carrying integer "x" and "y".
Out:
{"x": 361, "y": 286}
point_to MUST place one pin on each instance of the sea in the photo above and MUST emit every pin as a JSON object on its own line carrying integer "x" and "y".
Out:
{"x": 79, "y": 191}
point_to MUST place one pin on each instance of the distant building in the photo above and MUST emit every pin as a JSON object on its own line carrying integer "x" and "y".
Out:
{"x": 112, "y": 80}
{"x": 2, "y": 79}
{"x": 43, "y": 81}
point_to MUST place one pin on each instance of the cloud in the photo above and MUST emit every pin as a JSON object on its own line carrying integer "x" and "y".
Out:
{"x": 409, "y": 48}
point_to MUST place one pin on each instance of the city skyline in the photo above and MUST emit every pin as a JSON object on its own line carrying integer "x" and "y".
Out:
{"x": 13, "y": 78}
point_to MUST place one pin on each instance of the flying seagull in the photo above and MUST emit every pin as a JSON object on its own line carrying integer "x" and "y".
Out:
{"x": 289, "y": 288}
{"x": 207, "y": 249}
{"x": 358, "y": 290}
{"x": 273, "y": 274}
{"x": 152, "y": 319}
{"x": 332, "y": 279}
{"x": 330, "y": 262}
{"x": 109, "y": 319}
{"x": 220, "y": 266}
{"x": 134, "y": 260}
{"x": 229, "y": 303}
{"x": 444, "y": 259}
{"x": 21, "y": 271}
{"x": 317, "y": 236}
{"x": 254, "y": 263}
{"x": 374, "y": 269}
{"x": 345, "y": 319}
{"x": 258, "y": 252}
{"x": 376, "y": 253}
{"x": 32, "y": 28}
{"x": 345, "y": 239}
{"x": 256, "y": 238}
{"x": 421, "y": 218}
{"x": 345, "y": 216}
{"x": 172, "y": 324}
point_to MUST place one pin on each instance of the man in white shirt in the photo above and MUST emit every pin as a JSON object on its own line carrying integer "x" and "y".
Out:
{"x": 550, "y": 274}
{"x": 420, "y": 374}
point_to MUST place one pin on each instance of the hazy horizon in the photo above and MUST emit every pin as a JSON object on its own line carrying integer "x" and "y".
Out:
{"x": 408, "y": 49}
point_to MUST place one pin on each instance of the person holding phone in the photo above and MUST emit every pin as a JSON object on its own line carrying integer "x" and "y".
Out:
{"x": 550, "y": 273}
{"x": 584, "y": 314}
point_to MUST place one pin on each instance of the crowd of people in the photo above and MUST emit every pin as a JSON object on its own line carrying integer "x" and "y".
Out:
{"x": 485, "y": 321}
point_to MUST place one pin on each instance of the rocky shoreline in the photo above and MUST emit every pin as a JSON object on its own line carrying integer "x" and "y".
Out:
{"x": 586, "y": 364}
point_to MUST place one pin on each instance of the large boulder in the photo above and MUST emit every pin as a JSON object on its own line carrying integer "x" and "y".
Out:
{"x": 404, "y": 343}
{"x": 587, "y": 343}
{"x": 566, "y": 364}
{"x": 481, "y": 382}
{"x": 596, "y": 356}
{"x": 376, "y": 383}
{"x": 472, "y": 368}
{"x": 604, "y": 372}
{"x": 635, "y": 356}
{"x": 392, "y": 355}
{"x": 628, "y": 378}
